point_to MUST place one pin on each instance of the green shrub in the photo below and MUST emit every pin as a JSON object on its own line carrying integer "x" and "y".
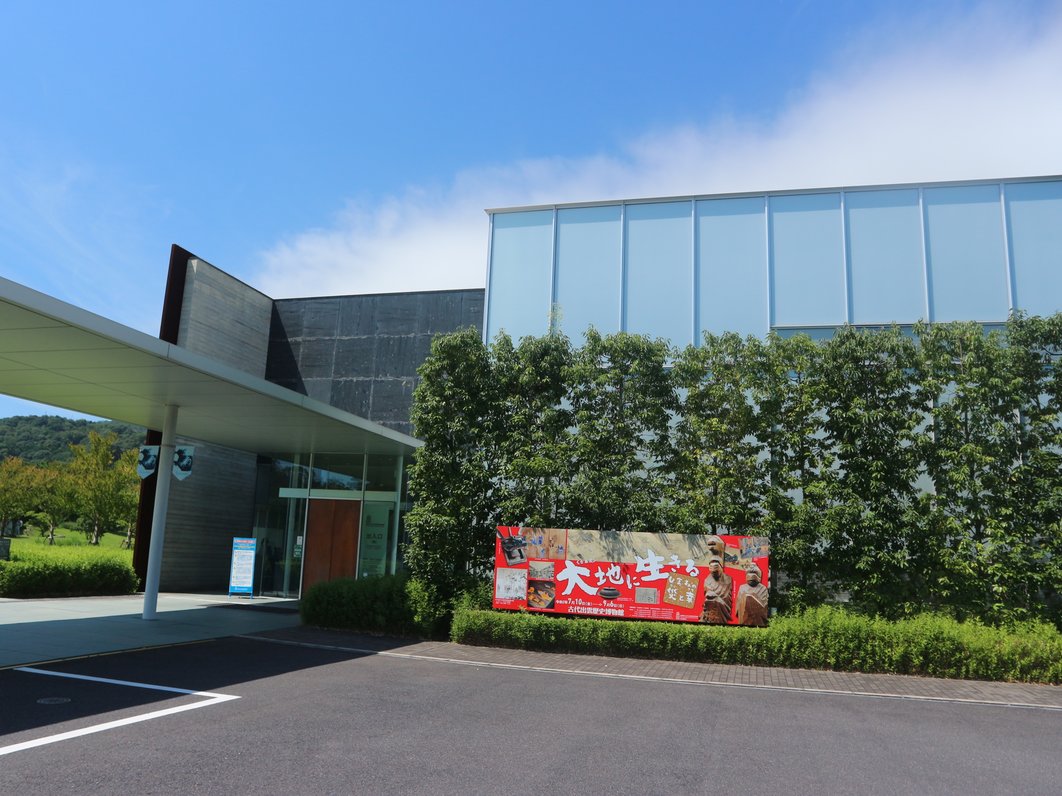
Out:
{"x": 66, "y": 572}
{"x": 478, "y": 596}
{"x": 431, "y": 612}
{"x": 820, "y": 638}
{"x": 373, "y": 605}
{"x": 392, "y": 604}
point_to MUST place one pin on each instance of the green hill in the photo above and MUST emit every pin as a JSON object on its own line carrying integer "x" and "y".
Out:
{"x": 46, "y": 438}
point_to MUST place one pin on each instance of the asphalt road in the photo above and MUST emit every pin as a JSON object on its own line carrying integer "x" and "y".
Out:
{"x": 318, "y": 721}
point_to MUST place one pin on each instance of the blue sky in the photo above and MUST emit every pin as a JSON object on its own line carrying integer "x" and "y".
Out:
{"x": 345, "y": 147}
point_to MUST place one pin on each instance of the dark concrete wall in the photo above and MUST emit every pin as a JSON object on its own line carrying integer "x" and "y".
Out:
{"x": 361, "y": 353}
{"x": 224, "y": 319}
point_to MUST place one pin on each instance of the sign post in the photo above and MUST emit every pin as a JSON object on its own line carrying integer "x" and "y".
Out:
{"x": 241, "y": 573}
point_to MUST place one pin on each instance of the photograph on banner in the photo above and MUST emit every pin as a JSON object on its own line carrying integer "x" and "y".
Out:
{"x": 708, "y": 578}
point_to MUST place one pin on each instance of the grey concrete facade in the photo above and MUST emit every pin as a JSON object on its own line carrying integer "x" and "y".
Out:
{"x": 361, "y": 353}
{"x": 358, "y": 353}
{"x": 228, "y": 321}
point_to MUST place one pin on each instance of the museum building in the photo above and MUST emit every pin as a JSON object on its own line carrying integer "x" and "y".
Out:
{"x": 316, "y": 515}
{"x": 793, "y": 261}
{"x": 330, "y": 503}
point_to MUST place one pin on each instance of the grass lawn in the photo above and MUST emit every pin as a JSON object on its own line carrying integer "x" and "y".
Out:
{"x": 69, "y": 568}
{"x": 67, "y": 538}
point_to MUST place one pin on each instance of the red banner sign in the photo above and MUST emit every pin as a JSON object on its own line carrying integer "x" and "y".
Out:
{"x": 675, "y": 577}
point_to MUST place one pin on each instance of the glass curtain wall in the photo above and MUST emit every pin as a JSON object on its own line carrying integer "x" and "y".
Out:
{"x": 752, "y": 263}
{"x": 279, "y": 525}
{"x": 286, "y": 491}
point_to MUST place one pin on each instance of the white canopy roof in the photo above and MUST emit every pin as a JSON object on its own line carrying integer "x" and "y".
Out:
{"x": 55, "y": 353}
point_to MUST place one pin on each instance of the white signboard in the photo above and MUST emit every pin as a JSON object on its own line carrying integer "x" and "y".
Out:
{"x": 241, "y": 574}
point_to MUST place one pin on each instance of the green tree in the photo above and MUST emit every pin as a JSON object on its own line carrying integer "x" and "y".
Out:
{"x": 53, "y": 496}
{"x": 622, "y": 402}
{"x": 872, "y": 424}
{"x": 797, "y": 465}
{"x": 1035, "y": 347}
{"x": 16, "y": 491}
{"x": 532, "y": 431}
{"x": 451, "y": 526}
{"x": 976, "y": 445}
{"x": 105, "y": 486}
{"x": 40, "y": 439}
{"x": 717, "y": 459}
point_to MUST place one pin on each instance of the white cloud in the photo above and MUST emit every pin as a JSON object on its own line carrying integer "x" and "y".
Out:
{"x": 902, "y": 103}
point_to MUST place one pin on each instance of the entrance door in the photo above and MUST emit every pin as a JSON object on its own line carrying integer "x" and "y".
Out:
{"x": 331, "y": 541}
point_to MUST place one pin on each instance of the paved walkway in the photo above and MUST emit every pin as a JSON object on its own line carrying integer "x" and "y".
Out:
{"x": 35, "y": 631}
{"x": 38, "y": 631}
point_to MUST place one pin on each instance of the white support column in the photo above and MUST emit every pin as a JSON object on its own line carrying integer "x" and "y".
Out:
{"x": 158, "y": 516}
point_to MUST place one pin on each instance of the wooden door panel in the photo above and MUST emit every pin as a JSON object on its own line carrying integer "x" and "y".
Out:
{"x": 331, "y": 552}
{"x": 317, "y": 555}
{"x": 345, "y": 522}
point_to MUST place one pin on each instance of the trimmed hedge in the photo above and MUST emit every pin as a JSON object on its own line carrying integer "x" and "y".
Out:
{"x": 67, "y": 572}
{"x": 373, "y": 605}
{"x": 820, "y": 638}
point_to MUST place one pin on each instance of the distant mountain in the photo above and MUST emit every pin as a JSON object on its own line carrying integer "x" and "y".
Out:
{"x": 46, "y": 438}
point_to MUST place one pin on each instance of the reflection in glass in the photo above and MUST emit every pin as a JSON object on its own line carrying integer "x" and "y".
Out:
{"x": 278, "y": 527}
{"x": 520, "y": 273}
{"x": 732, "y": 258}
{"x": 337, "y": 471}
{"x": 885, "y": 256}
{"x": 589, "y": 266}
{"x": 965, "y": 253}
{"x": 660, "y": 270}
{"x": 1034, "y": 217}
{"x": 807, "y": 260}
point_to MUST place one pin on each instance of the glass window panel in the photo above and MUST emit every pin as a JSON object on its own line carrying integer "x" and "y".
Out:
{"x": 1034, "y": 215}
{"x": 337, "y": 471}
{"x": 814, "y": 332}
{"x": 381, "y": 473}
{"x": 967, "y": 268}
{"x": 885, "y": 256}
{"x": 278, "y": 527}
{"x": 589, "y": 270}
{"x": 660, "y": 271}
{"x": 520, "y": 271}
{"x": 807, "y": 260}
{"x": 732, "y": 257}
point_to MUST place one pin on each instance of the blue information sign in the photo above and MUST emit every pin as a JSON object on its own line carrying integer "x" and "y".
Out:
{"x": 241, "y": 574}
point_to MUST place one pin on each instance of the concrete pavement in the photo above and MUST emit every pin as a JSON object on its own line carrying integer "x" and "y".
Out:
{"x": 1023, "y": 695}
{"x": 35, "y": 631}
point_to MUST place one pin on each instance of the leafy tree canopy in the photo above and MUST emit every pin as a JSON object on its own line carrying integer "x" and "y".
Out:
{"x": 37, "y": 439}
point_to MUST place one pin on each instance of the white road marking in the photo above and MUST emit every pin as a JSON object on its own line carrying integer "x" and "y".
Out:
{"x": 209, "y": 698}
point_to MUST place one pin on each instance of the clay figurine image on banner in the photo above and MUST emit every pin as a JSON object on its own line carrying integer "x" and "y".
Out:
{"x": 183, "y": 456}
{"x": 716, "y": 546}
{"x": 752, "y": 599}
{"x": 148, "y": 461}
{"x": 718, "y": 594}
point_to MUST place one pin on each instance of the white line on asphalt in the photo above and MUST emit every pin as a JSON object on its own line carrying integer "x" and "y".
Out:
{"x": 209, "y": 698}
{"x": 647, "y": 678}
